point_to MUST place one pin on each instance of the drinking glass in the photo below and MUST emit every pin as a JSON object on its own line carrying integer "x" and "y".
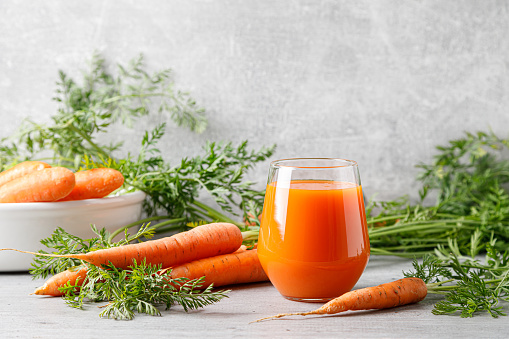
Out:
{"x": 313, "y": 242}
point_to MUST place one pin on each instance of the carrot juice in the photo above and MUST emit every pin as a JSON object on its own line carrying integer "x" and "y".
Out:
{"x": 313, "y": 242}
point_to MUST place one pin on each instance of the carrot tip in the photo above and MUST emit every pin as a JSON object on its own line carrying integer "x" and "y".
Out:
{"x": 42, "y": 254}
{"x": 282, "y": 315}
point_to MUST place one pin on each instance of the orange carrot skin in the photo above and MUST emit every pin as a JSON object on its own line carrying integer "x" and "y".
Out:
{"x": 228, "y": 269}
{"x": 51, "y": 286}
{"x": 95, "y": 183}
{"x": 22, "y": 169}
{"x": 396, "y": 293}
{"x": 46, "y": 185}
{"x": 200, "y": 242}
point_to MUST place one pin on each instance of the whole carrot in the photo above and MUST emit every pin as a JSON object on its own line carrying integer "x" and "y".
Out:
{"x": 22, "y": 169}
{"x": 396, "y": 293}
{"x": 95, "y": 183}
{"x": 227, "y": 269}
{"x": 200, "y": 242}
{"x": 45, "y": 185}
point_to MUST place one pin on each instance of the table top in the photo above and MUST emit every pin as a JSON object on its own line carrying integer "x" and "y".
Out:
{"x": 30, "y": 316}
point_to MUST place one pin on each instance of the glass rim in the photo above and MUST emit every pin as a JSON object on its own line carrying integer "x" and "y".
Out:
{"x": 345, "y": 163}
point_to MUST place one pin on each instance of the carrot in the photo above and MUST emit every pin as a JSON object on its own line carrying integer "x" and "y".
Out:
{"x": 51, "y": 287}
{"x": 200, "y": 242}
{"x": 95, "y": 183}
{"x": 251, "y": 262}
{"x": 396, "y": 293}
{"x": 48, "y": 184}
{"x": 22, "y": 169}
{"x": 227, "y": 269}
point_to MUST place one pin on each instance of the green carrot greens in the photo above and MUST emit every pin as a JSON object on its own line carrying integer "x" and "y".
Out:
{"x": 471, "y": 284}
{"x": 469, "y": 180}
{"x": 139, "y": 289}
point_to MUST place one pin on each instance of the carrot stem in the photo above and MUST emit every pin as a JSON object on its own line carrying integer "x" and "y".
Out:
{"x": 136, "y": 223}
{"x": 421, "y": 226}
{"x": 381, "y": 251}
{"x": 88, "y": 139}
{"x": 386, "y": 218}
{"x": 215, "y": 214}
{"x": 249, "y": 235}
{"x": 173, "y": 222}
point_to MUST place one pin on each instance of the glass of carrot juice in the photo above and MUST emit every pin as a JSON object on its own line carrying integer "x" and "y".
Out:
{"x": 313, "y": 242}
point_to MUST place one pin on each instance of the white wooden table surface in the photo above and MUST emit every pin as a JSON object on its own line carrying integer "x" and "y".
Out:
{"x": 29, "y": 316}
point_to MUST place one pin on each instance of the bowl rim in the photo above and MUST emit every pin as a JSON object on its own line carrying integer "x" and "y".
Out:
{"x": 110, "y": 201}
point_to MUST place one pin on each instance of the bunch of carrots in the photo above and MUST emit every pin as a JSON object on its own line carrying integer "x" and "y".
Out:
{"x": 37, "y": 181}
{"x": 213, "y": 251}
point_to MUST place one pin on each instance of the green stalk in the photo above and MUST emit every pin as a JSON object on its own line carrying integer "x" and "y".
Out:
{"x": 381, "y": 251}
{"x": 214, "y": 214}
{"x": 386, "y": 218}
{"x": 405, "y": 247}
{"x": 175, "y": 225}
{"x": 140, "y": 95}
{"x": 417, "y": 226}
{"x": 438, "y": 288}
{"x": 136, "y": 223}
{"x": 407, "y": 240}
{"x": 88, "y": 139}
{"x": 250, "y": 235}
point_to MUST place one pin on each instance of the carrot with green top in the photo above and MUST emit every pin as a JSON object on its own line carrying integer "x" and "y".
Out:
{"x": 45, "y": 185}
{"x": 200, "y": 242}
{"x": 95, "y": 183}
{"x": 396, "y": 293}
{"x": 22, "y": 169}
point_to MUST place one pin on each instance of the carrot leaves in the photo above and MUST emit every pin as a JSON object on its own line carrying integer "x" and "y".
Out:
{"x": 219, "y": 172}
{"x": 65, "y": 243}
{"x": 469, "y": 179}
{"x": 470, "y": 284}
{"x": 140, "y": 289}
{"x": 90, "y": 109}
{"x": 462, "y": 238}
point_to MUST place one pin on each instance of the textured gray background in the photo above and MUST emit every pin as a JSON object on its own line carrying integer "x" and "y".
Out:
{"x": 380, "y": 82}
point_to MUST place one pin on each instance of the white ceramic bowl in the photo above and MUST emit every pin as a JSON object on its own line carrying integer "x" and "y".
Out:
{"x": 23, "y": 225}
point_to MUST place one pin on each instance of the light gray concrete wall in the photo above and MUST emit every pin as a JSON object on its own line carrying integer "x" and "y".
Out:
{"x": 381, "y": 82}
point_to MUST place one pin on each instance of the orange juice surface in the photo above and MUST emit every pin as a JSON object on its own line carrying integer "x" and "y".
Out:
{"x": 313, "y": 243}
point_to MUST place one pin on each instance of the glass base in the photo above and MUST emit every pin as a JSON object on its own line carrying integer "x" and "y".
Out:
{"x": 308, "y": 300}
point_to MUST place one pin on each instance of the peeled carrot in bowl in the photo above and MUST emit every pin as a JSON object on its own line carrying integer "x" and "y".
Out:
{"x": 22, "y": 169}
{"x": 95, "y": 183}
{"x": 45, "y": 185}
